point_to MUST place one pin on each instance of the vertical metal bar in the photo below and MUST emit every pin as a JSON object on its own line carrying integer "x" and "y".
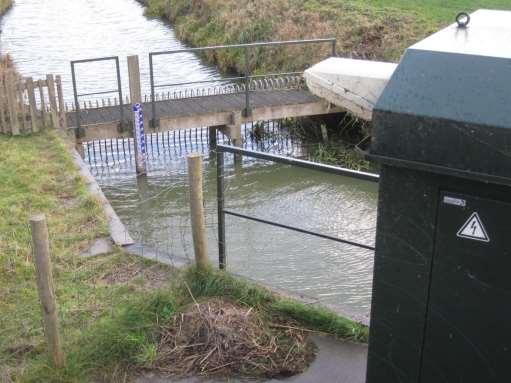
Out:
{"x": 153, "y": 104}
{"x": 119, "y": 86}
{"x": 77, "y": 105}
{"x": 246, "y": 112}
{"x": 334, "y": 48}
{"x": 221, "y": 214}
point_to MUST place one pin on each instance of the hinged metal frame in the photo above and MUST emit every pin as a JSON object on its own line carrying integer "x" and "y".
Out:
{"x": 78, "y": 131}
{"x": 222, "y": 212}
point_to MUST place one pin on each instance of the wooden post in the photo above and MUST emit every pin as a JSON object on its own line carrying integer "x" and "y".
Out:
{"x": 235, "y": 136}
{"x": 44, "y": 114}
{"x": 136, "y": 97}
{"x": 134, "y": 79}
{"x": 197, "y": 210}
{"x": 62, "y": 107}
{"x": 32, "y": 104}
{"x": 41, "y": 249}
{"x": 21, "y": 105}
{"x": 212, "y": 137}
{"x": 324, "y": 133}
{"x": 52, "y": 100}
{"x": 12, "y": 103}
{"x": 3, "y": 104}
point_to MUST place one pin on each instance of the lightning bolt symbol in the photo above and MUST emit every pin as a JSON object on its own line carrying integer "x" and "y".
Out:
{"x": 473, "y": 227}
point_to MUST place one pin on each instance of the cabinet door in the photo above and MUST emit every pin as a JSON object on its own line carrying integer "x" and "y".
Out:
{"x": 468, "y": 323}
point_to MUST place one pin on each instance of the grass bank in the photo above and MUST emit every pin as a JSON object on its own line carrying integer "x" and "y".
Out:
{"x": 110, "y": 307}
{"x": 372, "y": 29}
{"x": 37, "y": 175}
{"x": 125, "y": 341}
{"x": 5, "y": 5}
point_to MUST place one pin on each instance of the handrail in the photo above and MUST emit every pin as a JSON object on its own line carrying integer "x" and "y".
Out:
{"x": 365, "y": 176}
{"x": 222, "y": 212}
{"x": 246, "y": 47}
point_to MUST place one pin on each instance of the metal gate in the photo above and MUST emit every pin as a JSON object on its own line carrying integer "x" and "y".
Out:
{"x": 222, "y": 212}
{"x": 78, "y": 131}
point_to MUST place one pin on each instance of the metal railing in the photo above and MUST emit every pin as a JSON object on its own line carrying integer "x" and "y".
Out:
{"x": 77, "y": 95}
{"x": 246, "y": 77}
{"x": 222, "y": 212}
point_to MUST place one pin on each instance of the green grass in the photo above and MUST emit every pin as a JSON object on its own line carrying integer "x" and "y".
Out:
{"x": 125, "y": 340}
{"x": 372, "y": 29}
{"x": 38, "y": 176}
{"x": 437, "y": 11}
{"x": 108, "y": 322}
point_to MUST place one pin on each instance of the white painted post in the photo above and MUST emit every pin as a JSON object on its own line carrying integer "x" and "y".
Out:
{"x": 197, "y": 211}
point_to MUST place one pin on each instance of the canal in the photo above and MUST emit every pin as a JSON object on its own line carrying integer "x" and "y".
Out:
{"x": 43, "y": 36}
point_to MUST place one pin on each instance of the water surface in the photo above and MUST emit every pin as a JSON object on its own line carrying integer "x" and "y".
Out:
{"x": 43, "y": 36}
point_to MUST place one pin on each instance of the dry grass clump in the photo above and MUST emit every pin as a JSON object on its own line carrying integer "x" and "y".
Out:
{"x": 219, "y": 337}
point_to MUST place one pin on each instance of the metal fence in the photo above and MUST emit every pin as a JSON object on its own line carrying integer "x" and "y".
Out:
{"x": 222, "y": 212}
{"x": 246, "y": 78}
{"x": 78, "y": 95}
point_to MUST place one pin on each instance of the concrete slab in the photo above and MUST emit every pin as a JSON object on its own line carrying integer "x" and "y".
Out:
{"x": 354, "y": 85}
{"x": 157, "y": 256}
{"x": 336, "y": 362}
{"x": 118, "y": 231}
{"x": 99, "y": 246}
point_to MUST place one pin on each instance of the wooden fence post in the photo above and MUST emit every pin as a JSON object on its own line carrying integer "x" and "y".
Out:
{"x": 20, "y": 89}
{"x": 41, "y": 248}
{"x": 32, "y": 104}
{"x": 3, "y": 106}
{"x": 10, "y": 88}
{"x": 136, "y": 97}
{"x": 62, "y": 108}
{"x": 44, "y": 114}
{"x": 197, "y": 211}
{"x": 50, "y": 82}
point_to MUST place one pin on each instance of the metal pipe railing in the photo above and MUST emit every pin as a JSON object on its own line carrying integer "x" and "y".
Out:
{"x": 246, "y": 77}
{"x": 76, "y": 95}
{"x": 222, "y": 212}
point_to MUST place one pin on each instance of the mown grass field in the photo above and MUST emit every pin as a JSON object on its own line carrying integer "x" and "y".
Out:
{"x": 370, "y": 29}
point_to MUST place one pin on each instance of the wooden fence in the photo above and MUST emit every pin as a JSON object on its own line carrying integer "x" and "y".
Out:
{"x": 28, "y": 105}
